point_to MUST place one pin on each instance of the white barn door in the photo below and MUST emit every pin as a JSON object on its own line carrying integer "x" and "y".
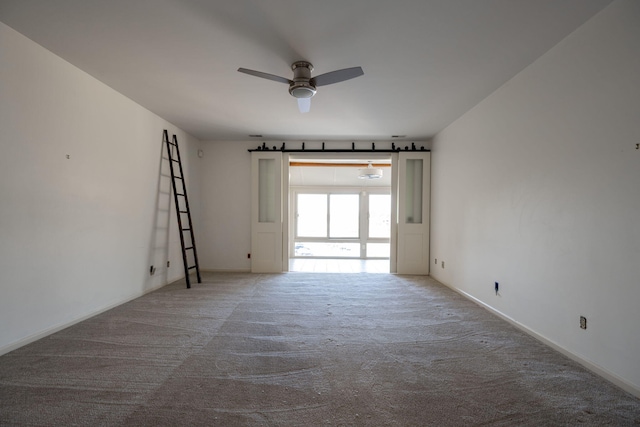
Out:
{"x": 414, "y": 171}
{"x": 266, "y": 212}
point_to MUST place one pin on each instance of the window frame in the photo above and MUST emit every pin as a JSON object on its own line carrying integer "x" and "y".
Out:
{"x": 363, "y": 219}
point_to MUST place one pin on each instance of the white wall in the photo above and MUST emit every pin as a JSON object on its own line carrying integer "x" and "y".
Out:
{"x": 538, "y": 188}
{"x": 226, "y": 206}
{"x": 77, "y": 235}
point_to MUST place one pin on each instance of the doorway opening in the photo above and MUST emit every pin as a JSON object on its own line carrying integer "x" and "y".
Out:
{"x": 339, "y": 222}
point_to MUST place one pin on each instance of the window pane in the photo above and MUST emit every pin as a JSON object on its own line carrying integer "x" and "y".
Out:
{"x": 344, "y": 215}
{"x": 330, "y": 250}
{"x": 312, "y": 215}
{"x": 267, "y": 190}
{"x": 378, "y": 250}
{"x": 414, "y": 192}
{"x": 380, "y": 215}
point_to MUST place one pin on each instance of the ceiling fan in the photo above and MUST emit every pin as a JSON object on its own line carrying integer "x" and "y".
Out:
{"x": 303, "y": 86}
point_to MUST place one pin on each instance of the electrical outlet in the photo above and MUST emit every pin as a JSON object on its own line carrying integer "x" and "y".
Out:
{"x": 248, "y": 256}
{"x": 497, "y": 287}
{"x": 637, "y": 147}
{"x": 168, "y": 264}
{"x": 583, "y": 322}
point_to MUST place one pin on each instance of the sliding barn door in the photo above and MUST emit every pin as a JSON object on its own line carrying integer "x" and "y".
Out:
{"x": 266, "y": 212}
{"x": 414, "y": 171}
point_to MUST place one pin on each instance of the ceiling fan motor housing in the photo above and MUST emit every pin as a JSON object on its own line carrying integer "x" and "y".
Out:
{"x": 301, "y": 86}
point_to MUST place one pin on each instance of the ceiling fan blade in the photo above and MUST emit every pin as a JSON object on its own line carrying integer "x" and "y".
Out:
{"x": 265, "y": 75}
{"x": 304, "y": 104}
{"x": 337, "y": 76}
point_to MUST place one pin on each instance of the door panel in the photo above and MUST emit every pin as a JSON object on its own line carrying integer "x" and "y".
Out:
{"x": 266, "y": 212}
{"x": 413, "y": 212}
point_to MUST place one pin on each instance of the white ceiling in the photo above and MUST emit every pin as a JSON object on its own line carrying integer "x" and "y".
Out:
{"x": 327, "y": 170}
{"x": 426, "y": 62}
{"x": 332, "y": 176}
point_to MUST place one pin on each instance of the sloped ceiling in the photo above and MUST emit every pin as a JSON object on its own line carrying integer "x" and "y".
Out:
{"x": 426, "y": 62}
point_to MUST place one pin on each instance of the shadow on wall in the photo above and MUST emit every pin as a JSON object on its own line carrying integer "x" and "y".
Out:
{"x": 159, "y": 245}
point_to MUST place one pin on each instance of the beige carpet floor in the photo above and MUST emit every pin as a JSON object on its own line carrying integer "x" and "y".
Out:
{"x": 302, "y": 349}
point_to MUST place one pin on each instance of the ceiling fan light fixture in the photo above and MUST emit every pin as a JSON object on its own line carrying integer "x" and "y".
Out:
{"x": 302, "y": 90}
{"x": 303, "y": 86}
{"x": 304, "y": 105}
{"x": 370, "y": 172}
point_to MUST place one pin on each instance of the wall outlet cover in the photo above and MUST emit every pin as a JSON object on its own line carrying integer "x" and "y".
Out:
{"x": 583, "y": 322}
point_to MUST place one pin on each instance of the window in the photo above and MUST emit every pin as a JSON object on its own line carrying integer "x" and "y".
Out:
{"x": 312, "y": 215}
{"x": 342, "y": 223}
{"x": 344, "y": 217}
{"x": 380, "y": 215}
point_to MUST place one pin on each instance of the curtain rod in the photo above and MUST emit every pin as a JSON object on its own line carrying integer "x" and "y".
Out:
{"x": 353, "y": 149}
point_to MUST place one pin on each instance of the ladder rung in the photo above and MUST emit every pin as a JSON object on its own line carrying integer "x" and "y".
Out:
{"x": 184, "y": 211}
{"x": 174, "y": 160}
{"x": 178, "y": 177}
{"x": 189, "y": 248}
{"x": 172, "y": 143}
{"x": 192, "y": 267}
{"x": 179, "y": 194}
{"x": 186, "y": 229}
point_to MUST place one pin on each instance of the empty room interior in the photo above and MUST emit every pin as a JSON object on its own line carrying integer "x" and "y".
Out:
{"x": 436, "y": 223}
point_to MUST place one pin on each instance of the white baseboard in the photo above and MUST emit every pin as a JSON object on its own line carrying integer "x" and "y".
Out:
{"x": 221, "y": 270}
{"x": 52, "y": 330}
{"x": 598, "y": 370}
